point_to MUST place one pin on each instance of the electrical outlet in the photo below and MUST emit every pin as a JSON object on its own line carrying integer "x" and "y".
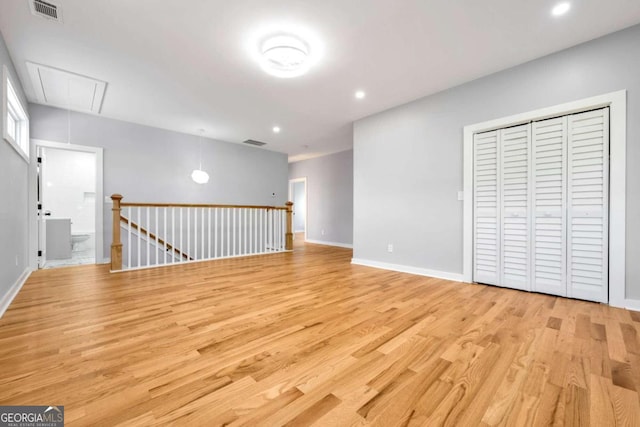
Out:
{"x": 16, "y": 260}
{"x": 390, "y": 247}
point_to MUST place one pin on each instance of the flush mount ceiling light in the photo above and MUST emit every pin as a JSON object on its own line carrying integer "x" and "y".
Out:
{"x": 284, "y": 56}
{"x": 560, "y": 9}
{"x": 360, "y": 94}
{"x": 284, "y": 49}
{"x": 276, "y": 129}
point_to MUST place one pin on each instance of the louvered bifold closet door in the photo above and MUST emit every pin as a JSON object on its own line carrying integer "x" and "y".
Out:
{"x": 588, "y": 183}
{"x": 549, "y": 163}
{"x": 514, "y": 194}
{"x": 486, "y": 208}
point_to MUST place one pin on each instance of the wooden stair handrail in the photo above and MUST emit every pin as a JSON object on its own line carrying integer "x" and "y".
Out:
{"x": 153, "y": 237}
{"x": 199, "y": 205}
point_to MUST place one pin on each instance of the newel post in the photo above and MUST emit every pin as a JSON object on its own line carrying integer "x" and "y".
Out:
{"x": 289, "y": 235}
{"x": 116, "y": 244}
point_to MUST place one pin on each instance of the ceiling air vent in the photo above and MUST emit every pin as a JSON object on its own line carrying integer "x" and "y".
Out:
{"x": 254, "y": 142}
{"x": 46, "y": 10}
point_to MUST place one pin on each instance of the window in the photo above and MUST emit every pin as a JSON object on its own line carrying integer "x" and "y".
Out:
{"x": 15, "y": 122}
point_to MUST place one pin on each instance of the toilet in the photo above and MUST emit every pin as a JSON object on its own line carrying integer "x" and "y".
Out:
{"x": 76, "y": 239}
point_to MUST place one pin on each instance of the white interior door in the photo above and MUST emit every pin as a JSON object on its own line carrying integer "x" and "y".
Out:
{"x": 549, "y": 164}
{"x": 42, "y": 223}
{"x": 541, "y": 206}
{"x": 486, "y": 199}
{"x": 588, "y": 187}
{"x": 514, "y": 213}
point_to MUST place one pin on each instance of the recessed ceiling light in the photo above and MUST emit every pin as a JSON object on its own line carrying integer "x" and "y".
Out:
{"x": 276, "y": 129}
{"x": 560, "y": 9}
{"x": 360, "y": 94}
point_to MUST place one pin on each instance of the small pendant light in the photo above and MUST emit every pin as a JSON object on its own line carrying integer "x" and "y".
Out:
{"x": 198, "y": 175}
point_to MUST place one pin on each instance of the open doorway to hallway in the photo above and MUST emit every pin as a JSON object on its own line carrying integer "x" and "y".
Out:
{"x": 298, "y": 195}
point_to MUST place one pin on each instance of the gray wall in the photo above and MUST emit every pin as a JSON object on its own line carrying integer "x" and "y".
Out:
{"x": 329, "y": 196}
{"x": 14, "y": 226}
{"x": 408, "y": 160}
{"x": 147, "y": 164}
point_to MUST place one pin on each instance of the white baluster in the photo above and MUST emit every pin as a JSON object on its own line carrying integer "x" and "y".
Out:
{"x": 246, "y": 231}
{"x": 226, "y": 231}
{"x": 202, "y": 255}
{"x": 139, "y": 234}
{"x": 165, "y": 234}
{"x": 188, "y": 233}
{"x": 263, "y": 231}
{"x": 148, "y": 236}
{"x": 157, "y": 248}
{"x": 129, "y": 213}
{"x": 239, "y": 231}
{"x": 195, "y": 233}
{"x": 233, "y": 230}
{"x": 279, "y": 217}
{"x": 272, "y": 239}
{"x": 173, "y": 235}
{"x": 209, "y": 232}
{"x": 180, "y": 231}
{"x": 215, "y": 233}
{"x": 251, "y": 231}
{"x": 260, "y": 235}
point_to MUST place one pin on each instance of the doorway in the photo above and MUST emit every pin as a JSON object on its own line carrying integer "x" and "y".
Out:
{"x": 298, "y": 195}
{"x": 69, "y": 208}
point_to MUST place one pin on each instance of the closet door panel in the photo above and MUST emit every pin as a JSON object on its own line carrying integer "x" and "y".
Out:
{"x": 486, "y": 201}
{"x": 514, "y": 194}
{"x": 588, "y": 185}
{"x": 549, "y": 158}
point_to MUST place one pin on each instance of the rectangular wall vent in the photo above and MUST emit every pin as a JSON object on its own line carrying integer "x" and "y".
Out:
{"x": 254, "y": 142}
{"x": 46, "y": 10}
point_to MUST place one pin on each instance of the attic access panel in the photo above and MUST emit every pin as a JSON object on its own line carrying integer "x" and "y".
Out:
{"x": 64, "y": 89}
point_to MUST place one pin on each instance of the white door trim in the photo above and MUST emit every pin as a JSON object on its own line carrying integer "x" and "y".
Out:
{"x": 617, "y": 103}
{"x": 98, "y": 151}
{"x": 306, "y": 200}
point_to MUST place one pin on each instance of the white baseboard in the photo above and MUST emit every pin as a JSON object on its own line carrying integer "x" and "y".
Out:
{"x": 7, "y": 299}
{"x": 632, "y": 304}
{"x": 322, "y": 242}
{"x": 408, "y": 269}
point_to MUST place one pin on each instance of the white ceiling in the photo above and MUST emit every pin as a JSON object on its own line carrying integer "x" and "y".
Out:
{"x": 184, "y": 65}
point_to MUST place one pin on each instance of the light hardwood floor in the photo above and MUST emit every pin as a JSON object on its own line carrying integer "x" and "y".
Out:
{"x": 308, "y": 338}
